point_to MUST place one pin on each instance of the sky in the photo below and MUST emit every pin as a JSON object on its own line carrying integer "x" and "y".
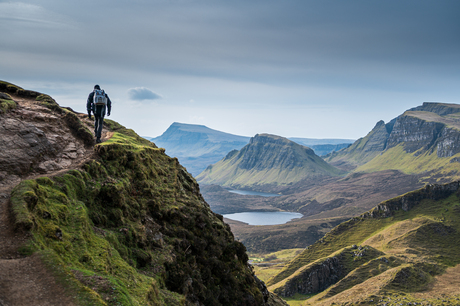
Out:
{"x": 294, "y": 68}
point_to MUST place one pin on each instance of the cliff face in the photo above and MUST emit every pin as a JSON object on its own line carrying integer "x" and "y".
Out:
{"x": 433, "y": 128}
{"x": 267, "y": 160}
{"x": 414, "y": 134}
{"x": 315, "y": 278}
{"x": 121, "y": 222}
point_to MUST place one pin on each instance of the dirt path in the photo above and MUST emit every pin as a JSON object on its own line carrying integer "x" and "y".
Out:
{"x": 34, "y": 142}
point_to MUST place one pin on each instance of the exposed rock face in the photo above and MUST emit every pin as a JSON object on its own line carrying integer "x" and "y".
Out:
{"x": 378, "y": 139}
{"x": 427, "y": 128}
{"x": 34, "y": 139}
{"x": 414, "y": 133}
{"x": 448, "y": 142}
{"x": 409, "y": 200}
{"x": 315, "y": 279}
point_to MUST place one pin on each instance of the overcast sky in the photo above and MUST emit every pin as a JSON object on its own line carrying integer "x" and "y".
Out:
{"x": 316, "y": 69}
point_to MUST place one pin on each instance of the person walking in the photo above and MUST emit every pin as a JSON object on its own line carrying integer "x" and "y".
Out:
{"x": 98, "y": 102}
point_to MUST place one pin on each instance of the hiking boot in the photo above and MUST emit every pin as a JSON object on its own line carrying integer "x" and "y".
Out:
{"x": 98, "y": 140}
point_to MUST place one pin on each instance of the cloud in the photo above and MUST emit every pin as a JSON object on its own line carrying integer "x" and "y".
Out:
{"x": 142, "y": 93}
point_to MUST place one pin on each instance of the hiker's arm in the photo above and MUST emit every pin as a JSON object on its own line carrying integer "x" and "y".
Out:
{"x": 109, "y": 105}
{"x": 89, "y": 104}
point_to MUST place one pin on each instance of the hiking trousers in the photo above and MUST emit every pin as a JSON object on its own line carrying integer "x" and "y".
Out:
{"x": 98, "y": 121}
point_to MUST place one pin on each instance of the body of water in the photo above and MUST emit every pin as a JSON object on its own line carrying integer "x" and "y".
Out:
{"x": 245, "y": 192}
{"x": 264, "y": 218}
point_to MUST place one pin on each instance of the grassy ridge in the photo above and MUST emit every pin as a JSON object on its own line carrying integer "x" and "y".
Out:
{"x": 415, "y": 246}
{"x": 131, "y": 228}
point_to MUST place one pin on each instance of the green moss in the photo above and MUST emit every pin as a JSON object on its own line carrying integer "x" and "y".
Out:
{"x": 131, "y": 228}
{"x": 8, "y": 87}
{"x": 6, "y": 105}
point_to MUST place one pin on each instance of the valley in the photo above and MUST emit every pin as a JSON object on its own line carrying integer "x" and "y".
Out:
{"x": 416, "y": 149}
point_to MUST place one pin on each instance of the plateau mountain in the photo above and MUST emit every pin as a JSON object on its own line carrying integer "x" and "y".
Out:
{"x": 197, "y": 146}
{"x": 267, "y": 162}
{"x": 115, "y": 223}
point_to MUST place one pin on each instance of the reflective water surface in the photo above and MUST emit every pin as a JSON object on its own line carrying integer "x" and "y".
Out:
{"x": 264, "y": 218}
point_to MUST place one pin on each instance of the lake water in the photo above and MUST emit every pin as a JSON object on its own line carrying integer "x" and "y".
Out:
{"x": 245, "y": 192}
{"x": 264, "y": 218}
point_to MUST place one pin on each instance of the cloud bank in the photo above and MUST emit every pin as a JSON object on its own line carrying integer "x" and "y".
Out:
{"x": 142, "y": 93}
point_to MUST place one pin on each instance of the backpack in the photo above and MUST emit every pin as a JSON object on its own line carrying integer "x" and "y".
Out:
{"x": 99, "y": 97}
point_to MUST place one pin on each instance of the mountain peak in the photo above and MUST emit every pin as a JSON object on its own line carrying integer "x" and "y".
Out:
{"x": 267, "y": 160}
{"x": 270, "y": 138}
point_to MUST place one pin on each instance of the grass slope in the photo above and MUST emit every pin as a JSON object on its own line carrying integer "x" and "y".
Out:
{"x": 131, "y": 228}
{"x": 419, "y": 162}
{"x": 413, "y": 246}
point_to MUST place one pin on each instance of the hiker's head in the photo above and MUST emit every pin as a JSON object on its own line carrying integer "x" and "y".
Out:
{"x": 97, "y": 87}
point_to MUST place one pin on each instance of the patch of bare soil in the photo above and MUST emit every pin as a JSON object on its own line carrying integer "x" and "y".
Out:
{"x": 34, "y": 142}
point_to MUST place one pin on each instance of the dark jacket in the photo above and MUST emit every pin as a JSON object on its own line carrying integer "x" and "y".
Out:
{"x": 90, "y": 107}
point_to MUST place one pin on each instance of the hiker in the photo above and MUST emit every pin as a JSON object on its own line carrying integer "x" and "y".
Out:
{"x": 97, "y": 103}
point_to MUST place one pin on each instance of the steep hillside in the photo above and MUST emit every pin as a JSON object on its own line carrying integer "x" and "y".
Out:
{"x": 424, "y": 139}
{"x": 268, "y": 161}
{"x": 118, "y": 223}
{"x": 197, "y": 146}
{"x": 398, "y": 253}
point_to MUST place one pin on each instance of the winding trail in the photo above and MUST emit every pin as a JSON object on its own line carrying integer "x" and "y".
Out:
{"x": 34, "y": 142}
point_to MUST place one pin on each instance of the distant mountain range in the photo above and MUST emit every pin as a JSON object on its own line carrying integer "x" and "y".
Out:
{"x": 197, "y": 146}
{"x": 419, "y": 147}
{"x": 267, "y": 160}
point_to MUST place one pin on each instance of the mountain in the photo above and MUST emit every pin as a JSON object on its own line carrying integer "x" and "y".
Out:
{"x": 419, "y": 147}
{"x": 424, "y": 139}
{"x": 404, "y": 251}
{"x": 116, "y": 223}
{"x": 268, "y": 161}
{"x": 197, "y": 146}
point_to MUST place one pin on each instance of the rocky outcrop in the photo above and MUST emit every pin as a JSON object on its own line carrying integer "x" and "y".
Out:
{"x": 411, "y": 199}
{"x": 414, "y": 134}
{"x": 314, "y": 279}
{"x": 38, "y": 140}
{"x": 448, "y": 142}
